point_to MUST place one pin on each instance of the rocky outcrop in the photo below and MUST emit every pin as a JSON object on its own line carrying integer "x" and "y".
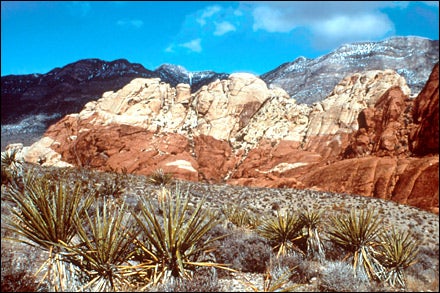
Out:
{"x": 424, "y": 137}
{"x": 359, "y": 140}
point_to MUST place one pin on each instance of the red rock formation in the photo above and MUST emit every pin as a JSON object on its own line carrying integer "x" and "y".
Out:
{"x": 361, "y": 140}
{"x": 383, "y": 129}
{"x": 424, "y": 137}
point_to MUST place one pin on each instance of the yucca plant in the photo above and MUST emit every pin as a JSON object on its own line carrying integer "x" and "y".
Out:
{"x": 240, "y": 217}
{"x": 159, "y": 177}
{"x": 282, "y": 231}
{"x": 311, "y": 220}
{"x": 173, "y": 244}
{"x": 11, "y": 166}
{"x": 357, "y": 233}
{"x": 45, "y": 214}
{"x": 104, "y": 247}
{"x": 397, "y": 251}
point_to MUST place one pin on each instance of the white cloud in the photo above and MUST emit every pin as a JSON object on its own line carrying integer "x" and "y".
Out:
{"x": 359, "y": 26}
{"x": 194, "y": 45}
{"x": 329, "y": 22}
{"x": 223, "y": 27}
{"x": 272, "y": 20}
{"x": 207, "y": 13}
{"x": 137, "y": 23}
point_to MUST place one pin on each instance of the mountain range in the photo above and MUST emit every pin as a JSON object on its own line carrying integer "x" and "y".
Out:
{"x": 30, "y": 103}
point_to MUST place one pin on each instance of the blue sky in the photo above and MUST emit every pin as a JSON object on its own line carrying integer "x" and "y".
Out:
{"x": 225, "y": 36}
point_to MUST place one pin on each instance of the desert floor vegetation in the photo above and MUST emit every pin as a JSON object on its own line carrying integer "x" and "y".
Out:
{"x": 76, "y": 229}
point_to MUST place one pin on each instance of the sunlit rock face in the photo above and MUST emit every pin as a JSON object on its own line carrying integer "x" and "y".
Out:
{"x": 364, "y": 138}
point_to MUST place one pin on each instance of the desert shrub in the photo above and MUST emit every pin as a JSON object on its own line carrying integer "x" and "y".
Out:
{"x": 112, "y": 187}
{"x": 240, "y": 216}
{"x": 11, "y": 167}
{"x": 397, "y": 251}
{"x": 282, "y": 231}
{"x": 338, "y": 277}
{"x": 311, "y": 219}
{"x": 303, "y": 269}
{"x": 104, "y": 247}
{"x": 159, "y": 177}
{"x": 171, "y": 244}
{"x": 357, "y": 233}
{"x": 45, "y": 214}
{"x": 245, "y": 251}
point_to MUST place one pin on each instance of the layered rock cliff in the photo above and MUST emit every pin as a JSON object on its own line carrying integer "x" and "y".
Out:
{"x": 367, "y": 137}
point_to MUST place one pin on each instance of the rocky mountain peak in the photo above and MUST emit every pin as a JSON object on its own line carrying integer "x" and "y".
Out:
{"x": 411, "y": 57}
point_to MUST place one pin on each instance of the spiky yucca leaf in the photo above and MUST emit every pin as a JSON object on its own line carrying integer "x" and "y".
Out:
{"x": 173, "y": 242}
{"x": 105, "y": 246}
{"x": 311, "y": 220}
{"x": 357, "y": 233}
{"x": 45, "y": 214}
{"x": 397, "y": 251}
{"x": 282, "y": 231}
{"x": 46, "y": 210}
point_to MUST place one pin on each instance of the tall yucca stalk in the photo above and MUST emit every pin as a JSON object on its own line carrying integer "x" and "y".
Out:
{"x": 45, "y": 214}
{"x": 282, "y": 231}
{"x": 173, "y": 243}
{"x": 397, "y": 251}
{"x": 311, "y": 220}
{"x": 105, "y": 246}
{"x": 357, "y": 233}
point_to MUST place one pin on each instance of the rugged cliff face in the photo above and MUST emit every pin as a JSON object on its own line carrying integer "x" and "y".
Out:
{"x": 365, "y": 138}
{"x": 411, "y": 57}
